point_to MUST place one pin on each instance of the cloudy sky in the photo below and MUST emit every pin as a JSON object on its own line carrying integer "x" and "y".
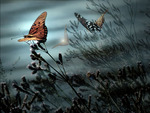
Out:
{"x": 18, "y": 16}
{"x": 16, "y": 20}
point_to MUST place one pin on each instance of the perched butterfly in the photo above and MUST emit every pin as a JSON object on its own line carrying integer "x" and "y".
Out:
{"x": 91, "y": 26}
{"x": 38, "y": 30}
{"x": 65, "y": 40}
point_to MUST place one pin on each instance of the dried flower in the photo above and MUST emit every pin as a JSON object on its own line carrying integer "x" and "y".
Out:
{"x": 34, "y": 46}
{"x": 30, "y": 67}
{"x": 34, "y": 71}
{"x": 59, "y": 110}
{"x": 91, "y": 75}
{"x": 33, "y": 57}
{"x": 33, "y": 64}
{"x": 20, "y": 89}
{"x": 60, "y": 58}
{"x": 33, "y": 51}
{"x": 39, "y": 45}
{"x": 89, "y": 101}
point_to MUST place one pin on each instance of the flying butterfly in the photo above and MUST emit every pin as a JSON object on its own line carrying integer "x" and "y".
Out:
{"x": 87, "y": 24}
{"x": 65, "y": 40}
{"x": 91, "y": 26}
{"x": 38, "y": 30}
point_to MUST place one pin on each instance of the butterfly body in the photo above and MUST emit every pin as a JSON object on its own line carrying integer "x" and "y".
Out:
{"x": 92, "y": 26}
{"x": 38, "y": 30}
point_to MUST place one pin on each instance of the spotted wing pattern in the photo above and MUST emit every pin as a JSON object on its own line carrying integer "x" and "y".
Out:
{"x": 38, "y": 30}
{"x": 91, "y": 26}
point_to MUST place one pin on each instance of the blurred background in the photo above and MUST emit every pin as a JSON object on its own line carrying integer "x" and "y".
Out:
{"x": 17, "y": 17}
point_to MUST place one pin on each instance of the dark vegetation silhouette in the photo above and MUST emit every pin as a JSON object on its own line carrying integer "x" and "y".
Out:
{"x": 123, "y": 89}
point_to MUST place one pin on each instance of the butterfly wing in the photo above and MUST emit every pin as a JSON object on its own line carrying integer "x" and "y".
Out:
{"x": 38, "y": 30}
{"x": 41, "y": 33}
{"x": 81, "y": 19}
{"x": 99, "y": 22}
{"x": 65, "y": 40}
{"x": 66, "y": 35}
{"x": 87, "y": 24}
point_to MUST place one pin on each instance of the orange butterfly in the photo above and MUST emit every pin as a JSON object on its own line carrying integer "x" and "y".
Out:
{"x": 38, "y": 30}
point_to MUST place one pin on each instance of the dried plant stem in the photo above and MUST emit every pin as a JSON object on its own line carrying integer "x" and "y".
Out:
{"x": 64, "y": 69}
{"x": 51, "y": 102}
{"x": 78, "y": 95}
{"x": 107, "y": 91}
{"x": 63, "y": 93}
{"x": 63, "y": 76}
{"x": 113, "y": 102}
{"x": 46, "y": 51}
{"x": 55, "y": 62}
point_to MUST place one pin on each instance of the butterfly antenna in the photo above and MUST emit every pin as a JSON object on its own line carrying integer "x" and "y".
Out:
{"x": 17, "y": 36}
{"x": 14, "y": 37}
